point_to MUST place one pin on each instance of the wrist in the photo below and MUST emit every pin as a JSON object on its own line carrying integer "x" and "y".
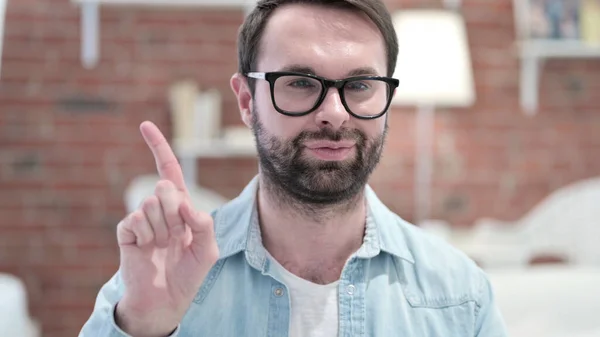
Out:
{"x": 143, "y": 323}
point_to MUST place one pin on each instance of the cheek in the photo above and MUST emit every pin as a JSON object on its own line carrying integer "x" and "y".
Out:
{"x": 373, "y": 129}
{"x": 280, "y": 126}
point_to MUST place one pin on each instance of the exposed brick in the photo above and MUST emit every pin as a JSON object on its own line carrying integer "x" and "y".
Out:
{"x": 63, "y": 172}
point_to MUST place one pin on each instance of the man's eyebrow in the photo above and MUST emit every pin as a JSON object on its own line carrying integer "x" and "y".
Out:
{"x": 299, "y": 69}
{"x": 363, "y": 71}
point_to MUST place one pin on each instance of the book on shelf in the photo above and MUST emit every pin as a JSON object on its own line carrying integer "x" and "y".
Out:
{"x": 577, "y": 20}
{"x": 590, "y": 22}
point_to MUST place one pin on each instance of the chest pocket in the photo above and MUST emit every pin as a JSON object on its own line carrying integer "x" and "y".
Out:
{"x": 400, "y": 303}
{"x": 439, "y": 315}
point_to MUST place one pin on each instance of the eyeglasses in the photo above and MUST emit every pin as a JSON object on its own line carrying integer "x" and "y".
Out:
{"x": 298, "y": 94}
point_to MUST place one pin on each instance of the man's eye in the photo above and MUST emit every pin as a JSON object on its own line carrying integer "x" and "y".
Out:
{"x": 358, "y": 86}
{"x": 301, "y": 84}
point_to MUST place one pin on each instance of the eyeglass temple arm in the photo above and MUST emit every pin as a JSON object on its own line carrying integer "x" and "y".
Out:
{"x": 260, "y": 76}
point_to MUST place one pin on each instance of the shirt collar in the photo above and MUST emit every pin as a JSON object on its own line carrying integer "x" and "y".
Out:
{"x": 237, "y": 229}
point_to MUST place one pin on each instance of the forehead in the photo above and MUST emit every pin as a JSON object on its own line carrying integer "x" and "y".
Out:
{"x": 333, "y": 42}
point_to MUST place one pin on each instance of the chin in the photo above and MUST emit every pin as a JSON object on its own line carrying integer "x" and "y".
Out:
{"x": 328, "y": 180}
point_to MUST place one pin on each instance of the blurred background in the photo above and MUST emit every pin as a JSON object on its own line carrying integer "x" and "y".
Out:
{"x": 494, "y": 143}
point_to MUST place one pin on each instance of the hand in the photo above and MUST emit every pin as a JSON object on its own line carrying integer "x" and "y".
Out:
{"x": 166, "y": 247}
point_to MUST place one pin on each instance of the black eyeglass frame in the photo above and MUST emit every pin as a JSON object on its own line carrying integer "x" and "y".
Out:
{"x": 326, "y": 83}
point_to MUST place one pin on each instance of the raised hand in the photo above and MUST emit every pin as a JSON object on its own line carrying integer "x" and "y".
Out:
{"x": 167, "y": 249}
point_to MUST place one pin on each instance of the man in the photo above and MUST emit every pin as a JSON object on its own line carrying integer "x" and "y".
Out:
{"x": 307, "y": 249}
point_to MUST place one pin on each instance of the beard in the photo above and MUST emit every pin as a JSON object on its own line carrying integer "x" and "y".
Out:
{"x": 310, "y": 184}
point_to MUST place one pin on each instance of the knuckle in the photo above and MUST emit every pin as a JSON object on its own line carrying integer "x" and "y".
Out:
{"x": 137, "y": 221}
{"x": 136, "y": 218}
{"x": 125, "y": 222}
{"x": 204, "y": 219}
{"x": 122, "y": 227}
{"x": 163, "y": 186}
{"x": 150, "y": 204}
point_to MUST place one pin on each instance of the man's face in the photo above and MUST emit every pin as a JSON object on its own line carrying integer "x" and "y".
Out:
{"x": 327, "y": 156}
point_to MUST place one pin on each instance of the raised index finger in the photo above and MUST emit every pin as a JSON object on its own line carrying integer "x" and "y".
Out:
{"x": 166, "y": 163}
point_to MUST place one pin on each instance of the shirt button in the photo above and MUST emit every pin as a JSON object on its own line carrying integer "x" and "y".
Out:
{"x": 278, "y": 292}
{"x": 350, "y": 289}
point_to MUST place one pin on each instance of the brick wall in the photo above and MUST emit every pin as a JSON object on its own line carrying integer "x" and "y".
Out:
{"x": 69, "y": 140}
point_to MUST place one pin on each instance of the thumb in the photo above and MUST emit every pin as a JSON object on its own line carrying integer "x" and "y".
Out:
{"x": 201, "y": 225}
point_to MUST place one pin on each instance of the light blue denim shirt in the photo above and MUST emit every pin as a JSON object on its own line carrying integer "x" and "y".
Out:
{"x": 401, "y": 282}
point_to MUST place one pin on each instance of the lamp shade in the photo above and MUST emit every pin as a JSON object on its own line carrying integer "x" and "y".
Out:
{"x": 434, "y": 64}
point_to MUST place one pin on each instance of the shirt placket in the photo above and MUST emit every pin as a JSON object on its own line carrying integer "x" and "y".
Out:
{"x": 279, "y": 310}
{"x": 351, "y": 299}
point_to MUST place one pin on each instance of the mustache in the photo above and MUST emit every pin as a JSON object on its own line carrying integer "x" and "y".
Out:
{"x": 328, "y": 134}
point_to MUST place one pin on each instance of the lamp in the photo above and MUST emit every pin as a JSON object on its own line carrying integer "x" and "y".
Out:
{"x": 434, "y": 68}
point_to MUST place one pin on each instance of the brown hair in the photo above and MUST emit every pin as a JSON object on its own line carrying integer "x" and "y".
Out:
{"x": 251, "y": 31}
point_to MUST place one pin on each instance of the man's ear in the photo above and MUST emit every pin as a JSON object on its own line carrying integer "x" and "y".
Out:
{"x": 239, "y": 85}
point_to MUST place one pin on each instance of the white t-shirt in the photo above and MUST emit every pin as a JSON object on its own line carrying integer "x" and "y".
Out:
{"x": 314, "y": 307}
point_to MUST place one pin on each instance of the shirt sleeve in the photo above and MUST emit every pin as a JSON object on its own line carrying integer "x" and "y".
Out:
{"x": 489, "y": 321}
{"x": 102, "y": 320}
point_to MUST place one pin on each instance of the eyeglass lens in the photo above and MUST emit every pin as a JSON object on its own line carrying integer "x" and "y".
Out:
{"x": 298, "y": 94}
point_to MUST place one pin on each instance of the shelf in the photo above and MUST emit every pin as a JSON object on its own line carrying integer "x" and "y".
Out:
{"x": 90, "y": 18}
{"x": 214, "y": 149}
{"x": 188, "y": 153}
{"x": 559, "y": 49}
{"x": 195, "y": 3}
{"x": 534, "y": 52}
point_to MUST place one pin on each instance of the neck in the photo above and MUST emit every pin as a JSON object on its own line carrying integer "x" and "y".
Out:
{"x": 311, "y": 241}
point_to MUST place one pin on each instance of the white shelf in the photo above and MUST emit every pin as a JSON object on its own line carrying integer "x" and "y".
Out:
{"x": 214, "y": 149}
{"x": 90, "y": 18}
{"x": 533, "y": 53}
{"x": 559, "y": 49}
{"x": 237, "y": 4}
{"x": 189, "y": 152}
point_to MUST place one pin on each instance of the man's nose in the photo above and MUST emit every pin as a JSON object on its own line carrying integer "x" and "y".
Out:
{"x": 332, "y": 112}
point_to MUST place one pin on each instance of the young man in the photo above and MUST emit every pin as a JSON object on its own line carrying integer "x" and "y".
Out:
{"x": 307, "y": 249}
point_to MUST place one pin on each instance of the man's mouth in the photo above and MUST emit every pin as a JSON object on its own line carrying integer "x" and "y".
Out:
{"x": 330, "y": 150}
